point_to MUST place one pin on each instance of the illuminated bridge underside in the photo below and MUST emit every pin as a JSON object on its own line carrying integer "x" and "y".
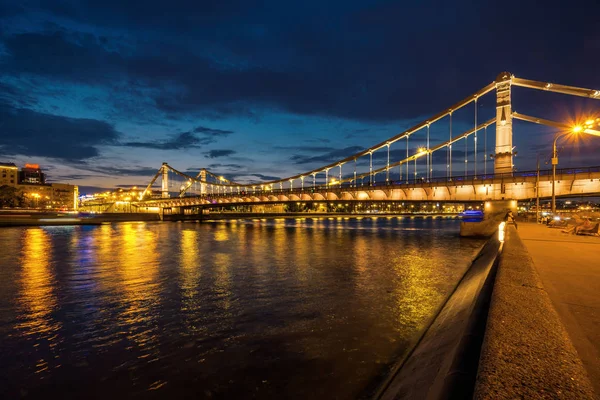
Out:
{"x": 518, "y": 188}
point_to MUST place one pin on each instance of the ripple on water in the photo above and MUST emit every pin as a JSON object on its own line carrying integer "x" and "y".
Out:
{"x": 276, "y": 308}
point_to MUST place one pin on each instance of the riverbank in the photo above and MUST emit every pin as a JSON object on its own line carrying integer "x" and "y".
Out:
{"x": 43, "y": 218}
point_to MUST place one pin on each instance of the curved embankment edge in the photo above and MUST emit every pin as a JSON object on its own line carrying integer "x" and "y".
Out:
{"x": 526, "y": 352}
{"x": 443, "y": 364}
{"x": 496, "y": 337}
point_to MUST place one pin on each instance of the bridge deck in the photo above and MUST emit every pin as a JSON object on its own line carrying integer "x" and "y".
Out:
{"x": 581, "y": 181}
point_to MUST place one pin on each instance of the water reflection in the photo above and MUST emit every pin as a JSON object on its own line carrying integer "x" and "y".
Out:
{"x": 191, "y": 272}
{"x": 280, "y": 309}
{"x": 136, "y": 251}
{"x": 37, "y": 299}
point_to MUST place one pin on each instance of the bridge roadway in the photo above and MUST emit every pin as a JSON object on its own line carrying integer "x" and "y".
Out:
{"x": 516, "y": 186}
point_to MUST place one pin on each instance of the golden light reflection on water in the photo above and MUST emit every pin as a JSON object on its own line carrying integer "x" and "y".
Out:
{"x": 190, "y": 271}
{"x": 138, "y": 255}
{"x": 37, "y": 299}
{"x": 221, "y": 235}
{"x": 190, "y": 261}
{"x": 222, "y": 270}
{"x": 417, "y": 297}
{"x": 338, "y": 291}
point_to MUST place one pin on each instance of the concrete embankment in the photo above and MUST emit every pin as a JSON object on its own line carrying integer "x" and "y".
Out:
{"x": 444, "y": 362}
{"x": 526, "y": 352}
{"x": 497, "y": 336}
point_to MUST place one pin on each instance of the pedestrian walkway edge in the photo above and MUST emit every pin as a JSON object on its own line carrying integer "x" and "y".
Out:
{"x": 526, "y": 351}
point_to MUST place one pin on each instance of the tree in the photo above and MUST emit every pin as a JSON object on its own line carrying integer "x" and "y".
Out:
{"x": 10, "y": 196}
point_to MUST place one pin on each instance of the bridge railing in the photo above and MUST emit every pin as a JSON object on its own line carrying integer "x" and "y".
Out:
{"x": 469, "y": 179}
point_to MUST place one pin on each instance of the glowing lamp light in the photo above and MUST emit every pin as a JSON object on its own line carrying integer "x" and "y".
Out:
{"x": 577, "y": 129}
{"x": 501, "y": 232}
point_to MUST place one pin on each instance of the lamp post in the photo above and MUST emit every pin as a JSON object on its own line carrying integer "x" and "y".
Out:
{"x": 554, "y": 164}
{"x": 586, "y": 128}
{"x": 537, "y": 192}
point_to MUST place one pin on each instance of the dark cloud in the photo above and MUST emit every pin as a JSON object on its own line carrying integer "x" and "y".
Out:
{"x": 12, "y": 95}
{"x": 341, "y": 68}
{"x": 317, "y": 140}
{"x": 228, "y": 166}
{"x": 266, "y": 177}
{"x": 245, "y": 177}
{"x": 184, "y": 140}
{"x": 31, "y": 133}
{"x": 219, "y": 153}
{"x": 305, "y": 149}
{"x": 211, "y": 132}
{"x": 131, "y": 171}
{"x": 329, "y": 157}
{"x": 69, "y": 177}
{"x": 69, "y": 56}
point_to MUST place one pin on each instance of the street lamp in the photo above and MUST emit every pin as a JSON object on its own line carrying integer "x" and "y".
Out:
{"x": 36, "y": 196}
{"x": 587, "y": 127}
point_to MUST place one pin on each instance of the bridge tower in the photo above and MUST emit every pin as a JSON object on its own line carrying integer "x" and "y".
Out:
{"x": 203, "y": 179}
{"x": 165, "y": 180}
{"x": 503, "y": 162}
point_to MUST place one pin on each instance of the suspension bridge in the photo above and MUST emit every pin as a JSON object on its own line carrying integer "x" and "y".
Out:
{"x": 374, "y": 175}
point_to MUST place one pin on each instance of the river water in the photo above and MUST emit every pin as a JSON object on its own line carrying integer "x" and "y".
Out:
{"x": 294, "y": 308}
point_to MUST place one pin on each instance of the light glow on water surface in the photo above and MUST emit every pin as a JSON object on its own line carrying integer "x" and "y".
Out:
{"x": 284, "y": 308}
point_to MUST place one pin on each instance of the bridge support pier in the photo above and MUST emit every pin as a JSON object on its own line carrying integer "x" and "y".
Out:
{"x": 503, "y": 162}
{"x": 203, "y": 179}
{"x": 165, "y": 181}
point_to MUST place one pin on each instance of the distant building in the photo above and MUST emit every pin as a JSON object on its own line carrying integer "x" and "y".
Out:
{"x": 32, "y": 173}
{"x": 51, "y": 196}
{"x": 8, "y": 174}
{"x": 31, "y": 182}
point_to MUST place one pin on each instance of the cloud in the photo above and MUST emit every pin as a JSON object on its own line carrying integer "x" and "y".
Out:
{"x": 184, "y": 140}
{"x": 332, "y": 155}
{"x": 305, "y": 149}
{"x": 180, "y": 80}
{"x": 211, "y": 131}
{"x": 131, "y": 171}
{"x": 317, "y": 140}
{"x": 30, "y": 133}
{"x": 12, "y": 95}
{"x": 65, "y": 55}
{"x": 219, "y": 153}
{"x": 245, "y": 177}
{"x": 229, "y": 166}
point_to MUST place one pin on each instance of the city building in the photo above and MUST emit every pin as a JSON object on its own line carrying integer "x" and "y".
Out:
{"x": 8, "y": 174}
{"x": 53, "y": 196}
{"x": 31, "y": 184}
{"x": 32, "y": 173}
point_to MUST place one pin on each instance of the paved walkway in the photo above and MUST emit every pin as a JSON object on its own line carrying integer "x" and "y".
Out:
{"x": 569, "y": 267}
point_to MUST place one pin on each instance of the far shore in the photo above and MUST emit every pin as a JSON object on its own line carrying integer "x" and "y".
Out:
{"x": 24, "y": 217}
